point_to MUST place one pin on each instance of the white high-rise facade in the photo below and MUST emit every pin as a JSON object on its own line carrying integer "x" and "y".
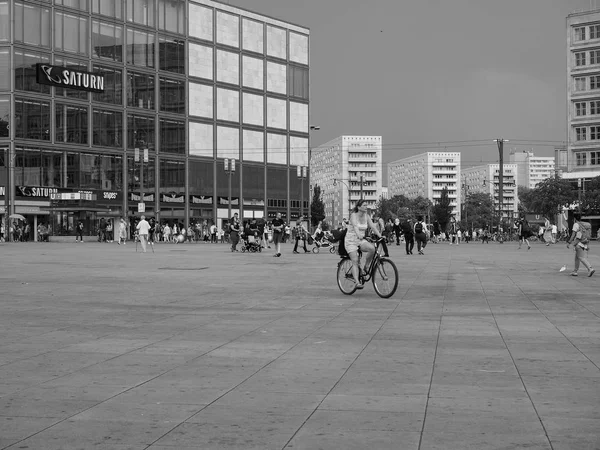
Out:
{"x": 426, "y": 175}
{"x": 338, "y": 167}
{"x": 532, "y": 169}
{"x": 486, "y": 179}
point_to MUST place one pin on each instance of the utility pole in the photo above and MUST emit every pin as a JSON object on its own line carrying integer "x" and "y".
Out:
{"x": 361, "y": 185}
{"x": 332, "y": 213}
{"x": 229, "y": 170}
{"x": 301, "y": 173}
{"x": 500, "y": 143}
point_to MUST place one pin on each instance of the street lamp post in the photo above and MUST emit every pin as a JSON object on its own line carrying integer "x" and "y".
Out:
{"x": 141, "y": 160}
{"x": 312, "y": 128}
{"x": 301, "y": 172}
{"x": 229, "y": 165}
{"x": 466, "y": 191}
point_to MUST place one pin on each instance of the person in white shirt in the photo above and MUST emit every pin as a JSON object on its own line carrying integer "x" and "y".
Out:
{"x": 143, "y": 228}
{"x": 554, "y": 233}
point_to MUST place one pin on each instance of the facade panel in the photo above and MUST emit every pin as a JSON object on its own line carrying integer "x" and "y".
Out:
{"x": 276, "y": 113}
{"x": 201, "y": 139}
{"x": 200, "y": 100}
{"x": 276, "y": 148}
{"x": 200, "y": 22}
{"x": 253, "y": 72}
{"x": 200, "y": 59}
{"x": 276, "y": 42}
{"x": 228, "y": 29}
{"x": 298, "y": 48}
{"x": 299, "y": 117}
{"x": 254, "y": 146}
{"x": 253, "y": 35}
{"x": 228, "y": 67}
{"x": 228, "y": 142}
{"x": 253, "y": 109}
{"x": 276, "y": 78}
{"x": 228, "y": 105}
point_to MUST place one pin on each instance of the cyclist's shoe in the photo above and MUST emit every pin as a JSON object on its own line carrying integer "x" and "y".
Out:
{"x": 360, "y": 285}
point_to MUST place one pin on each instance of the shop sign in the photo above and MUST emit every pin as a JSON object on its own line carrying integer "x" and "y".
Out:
{"x": 172, "y": 198}
{"x": 254, "y": 202}
{"x": 273, "y": 214}
{"x": 110, "y": 195}
{"x": 37, "y": 192}
{"x": 201, "y": 200}
{"x": 225, "y": 201}
{"x": 68, "y": 78}
{"x": 137, "y": 198}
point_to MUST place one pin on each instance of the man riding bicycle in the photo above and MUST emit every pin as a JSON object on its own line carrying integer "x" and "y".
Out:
{"x": 355, "y": 239}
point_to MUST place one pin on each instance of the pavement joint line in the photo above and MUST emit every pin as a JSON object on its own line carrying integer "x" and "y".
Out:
{"x": 437, "y": 343}
{"x": 513, "y": 359}
{"x": 345, "y": 371}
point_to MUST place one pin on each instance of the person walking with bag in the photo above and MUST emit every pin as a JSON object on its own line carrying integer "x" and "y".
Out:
{"x": 420, "y": 235}
{"x": 122, "y": 232}
{"x": 143, "y": 229}
{"x": 301, "y": 234}
{"x": 234, "y": 232}
{"x": 580, "y": 236}
{"x": 524, "y": 233}
{"x": 278, "y": 233}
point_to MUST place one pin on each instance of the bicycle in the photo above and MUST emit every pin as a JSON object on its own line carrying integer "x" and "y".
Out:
{"x": 382, "y": 272}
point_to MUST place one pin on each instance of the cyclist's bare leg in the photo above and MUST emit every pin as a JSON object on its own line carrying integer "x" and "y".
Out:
{"x": 368, "y": 252}
{"x": 354, "y": 259}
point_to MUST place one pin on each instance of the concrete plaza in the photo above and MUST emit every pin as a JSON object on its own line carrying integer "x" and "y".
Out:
{"x": 193, "y": 347}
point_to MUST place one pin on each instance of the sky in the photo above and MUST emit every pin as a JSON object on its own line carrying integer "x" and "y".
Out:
{"x": 424, "y": 74}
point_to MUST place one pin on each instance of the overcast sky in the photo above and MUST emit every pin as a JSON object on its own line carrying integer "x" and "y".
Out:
{"x": 420, "y": 71}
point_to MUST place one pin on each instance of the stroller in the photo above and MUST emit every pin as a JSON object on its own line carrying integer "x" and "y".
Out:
{"x": 324, "y": 240}
{"x": 251, "y": 243}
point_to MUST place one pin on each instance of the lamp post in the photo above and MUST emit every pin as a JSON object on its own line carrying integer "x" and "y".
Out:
{"x": 142, "y": 160}
{"x": 500, "y": 143}
{"x": 466, "y": 191}
{"x": 229, "y": 166}
{"x": 312, "y": 128}
{"x": 301, "y": 172}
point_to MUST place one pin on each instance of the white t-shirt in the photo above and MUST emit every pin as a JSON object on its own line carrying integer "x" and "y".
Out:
{"x": 554, "y": 229}
{"x": 143, "y": 227}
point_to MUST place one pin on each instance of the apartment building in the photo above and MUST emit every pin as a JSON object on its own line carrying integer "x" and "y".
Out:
{"x": 532, "y": 169}
{"x": 347, "y": 169}
{"x": 486, "y": 179}
{"x": 426, "y": 175}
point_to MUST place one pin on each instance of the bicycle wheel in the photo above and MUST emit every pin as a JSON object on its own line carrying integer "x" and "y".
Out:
{"x": 345, "y": 280}
{"x": 333, "y": 249}
{"x": 315, "y": 250}
{"x": 385, "y": 278}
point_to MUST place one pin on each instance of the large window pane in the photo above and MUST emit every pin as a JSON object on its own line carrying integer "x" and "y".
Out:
{"x": 172, "y": 175}
{"x": 140, "y": 48}
{"x": 28, "y": 167}
{"x": 108, "y": 128}
{"x": 77, "y": 4}
{"x": 141, "y": 11}
{"x": 136, "y": 177}
{"x": 140, "y": 90}
{"x": 110, "y": 8}
{"x": 140, "y": 132}
{"x": 4, "y": 21}
{"x": 4, "y": 116}
{"x": 171, "y": 55}
{"x": 172, "y": 136}
{"x": 73, "y": 65}
{"x": 171, "y": 16}
{"x": 113, "y": 85}
{"x": 99, "y": 171}
{"x": 25, "y": 71}
{"x": 32, "y": 24}
{"x": 172, "y": 95}
{"x": 4, "y": 69}
{"x": 107, "y": 41}
{"x": 70, "y": 33}
{"x": 71, "y": 123}
{"x": 54, "y": 171}
{"x": 32, "y": 119}
{"x": 298, "y": 82}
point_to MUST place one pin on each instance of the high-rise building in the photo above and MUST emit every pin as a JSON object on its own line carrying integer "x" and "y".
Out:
{"x": 110, "y": 104}
{"x": 583, "y": 95}
{"x": 532, "y": 169}
{"x": 427, "y": 175}
{"x": 486, "y": 179}
{"x": 347, "y": 168}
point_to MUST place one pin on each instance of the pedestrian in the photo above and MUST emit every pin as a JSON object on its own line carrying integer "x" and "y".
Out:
{"x": 143, "y": 228}
{"x": 301, "y": 234}
{"x": 234, "y": 232}
{"x": 109, "y": 231}
{"x": 397, "y": 230}
{"x": 409, "y": 237}
{"x": 122, "y": 232}
{"x": 286, "y": 235}
{"x": 152, "y": 231}
{"x": 213, "y": 233}
{"x": 452, "y": 230}
{"x": 580, "y": 236}
{"x": 420, "y": 235}
{"x": 524, "y": 233}
{"x": 553, "y": 232}
{"x": 278, "y": 230}
{"x": 79, "y": 231}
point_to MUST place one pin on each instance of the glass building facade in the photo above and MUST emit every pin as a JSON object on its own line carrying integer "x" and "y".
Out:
{"x": 186, "y": 85}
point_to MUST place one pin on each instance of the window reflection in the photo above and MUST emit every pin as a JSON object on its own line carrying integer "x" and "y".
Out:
{"x": 108, "y": 128}
{"x": 70, "y": 33}
{"x": 171, "y": 16}
{"x": 141, "y": 11}
{"x": 140, "y": 132}
{"x": 4, "y": 21}
{"x": 140, "y": 48}
{"x": 107, "y": 41}
{"x": 71, "y": 123}
{"x": 4, "y": 69}
{"x": 32, "y": 24}
{"x": 4, "y": 117}
{"x": 110, "y": 8}
{"x": 140, "y": 90}
{"x": 77, "y": 4}
{"x": 135, "y": 177}
{"x": 113, "y": 85}
{"x": 172, "y": 175}
{"x": 74, "y": 65}
{"x": 100, "y": 171}
{"x": 172, "y": 95}
{"x": 32, "y": 119}
{"x": 171, "y": 55}
{"x": 25, "y": 72}
{"x": 172, "y": 136}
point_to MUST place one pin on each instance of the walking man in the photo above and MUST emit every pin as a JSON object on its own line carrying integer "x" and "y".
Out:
{"x": 234, "y": 232}
{"x": 409, "y": 240}
{"x": 580, "y": 236}
{"x": 420, "y": 235}
{"x": 79, "y": 235}
{"x": 278, "y": 230}
{"x": 143, "y": 229}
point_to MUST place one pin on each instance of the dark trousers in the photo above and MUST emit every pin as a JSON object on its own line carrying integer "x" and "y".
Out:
{"x": 79, "y": 235}
{"x": 296, "y": 246}
{"x": 384, "y": 247}
{"x": 421, "y": 241}
{"x": 410, "y": 242}
{"x": 235, "y": 238}
{"x": 397, "y": 232}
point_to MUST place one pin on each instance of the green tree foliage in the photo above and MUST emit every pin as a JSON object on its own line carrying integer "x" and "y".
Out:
{"x": 591, "y": 197}
{"x": 478, "y": 210}
{"x": 317, "y": 208}
{"x": 550, "y": 196}
{"x": 403, "y": 208}
{"x": 442, "y": 210}
{"x": 525, "y": 195}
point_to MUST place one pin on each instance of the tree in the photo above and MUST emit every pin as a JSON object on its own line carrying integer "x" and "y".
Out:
{"x": 397, "y": 206}
{"x": 525, "y": 195}
{"x": 479, "y": 210}
{"x": 317, "y": 208}
{"x": 442, "y": 210}
{"x": 420, "y": 206}
{"x": 550, "y": 196}
{"x": 591, "y": 198}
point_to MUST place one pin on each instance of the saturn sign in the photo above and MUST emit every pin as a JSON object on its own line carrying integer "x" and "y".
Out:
{"x": 68, "y": 78}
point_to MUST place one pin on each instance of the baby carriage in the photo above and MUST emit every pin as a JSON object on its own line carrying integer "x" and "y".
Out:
{"x": 324, "y": 240}
{"x": 251, "y": 243}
